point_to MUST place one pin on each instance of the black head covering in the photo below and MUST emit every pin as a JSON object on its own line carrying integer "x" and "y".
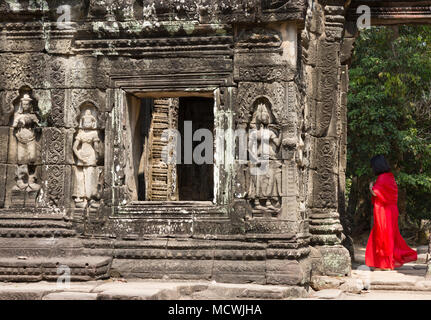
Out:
{"x": 380, "y": 165}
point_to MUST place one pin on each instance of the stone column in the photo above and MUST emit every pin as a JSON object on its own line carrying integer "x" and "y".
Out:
{"x": 267, "y": 103}
{"x": 325, "y": 141}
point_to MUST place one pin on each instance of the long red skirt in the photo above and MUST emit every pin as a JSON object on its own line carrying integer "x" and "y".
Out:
{"x": 386, "y": 247}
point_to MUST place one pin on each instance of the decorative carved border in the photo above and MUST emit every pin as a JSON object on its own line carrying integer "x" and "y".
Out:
{"x": 177, "y": 84}
{"x": 390, "y": 12}
{"x": 199, "y": 82}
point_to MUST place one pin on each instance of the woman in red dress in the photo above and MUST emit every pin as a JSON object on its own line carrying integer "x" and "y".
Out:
{"x": 386, "y": 249}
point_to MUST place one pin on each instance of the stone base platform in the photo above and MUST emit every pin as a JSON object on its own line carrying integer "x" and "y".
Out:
{"x": 36, "y": 246}
{"x": 267, "y": 262}
{"x": 135, "y": 289}
{"x": 80, "y": 268}
{"x": 34, "y": 226}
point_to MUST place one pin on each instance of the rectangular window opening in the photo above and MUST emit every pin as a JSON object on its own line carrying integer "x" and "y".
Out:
{"x": 153, "y": 179}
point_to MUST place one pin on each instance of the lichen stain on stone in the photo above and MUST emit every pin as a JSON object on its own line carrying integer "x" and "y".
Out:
{"x": 14, "y": 5}
{"x": 36, "y": 5}
{"x": 102, "y": 27}
{"x": 173, "y": 28}
{"x": 44, "y": 104}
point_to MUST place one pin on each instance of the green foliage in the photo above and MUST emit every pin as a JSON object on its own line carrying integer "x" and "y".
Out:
{"x": 389, "y": 109}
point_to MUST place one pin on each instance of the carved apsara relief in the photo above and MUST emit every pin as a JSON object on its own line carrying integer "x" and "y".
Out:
{"x": 25, "y": 150}
{"x": 88, "y": 151}
{"x": 265, "y": 190}
{"x": 267, "y": 111}
{"x": 24, "y": 123}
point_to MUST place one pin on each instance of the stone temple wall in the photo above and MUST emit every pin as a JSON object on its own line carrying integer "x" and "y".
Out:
{"x": 67, "y": 100}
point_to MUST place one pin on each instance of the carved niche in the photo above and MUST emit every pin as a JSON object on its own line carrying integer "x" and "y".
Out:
{"x": 268, "y": 177}
{"x": 88, "y": 151}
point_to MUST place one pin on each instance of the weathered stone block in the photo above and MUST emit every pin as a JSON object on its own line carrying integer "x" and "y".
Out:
{"x": 146, "y": 269}
{"x": 335, "y": 260}
{"x": 323, "y": 118}
{"x": 328, "y": 53}
{"x": 23, "y": 186}
{"x": 326, "y": 83}
{"x": 3, "y": 178}
{"x": 334, "y": 33}
{"x": 270, "y": 226}
{"x": 163, "y": 227}
{"x": 57, "y": 182}
{"x": 325, "y": 154}
{"x": 347, "y": 49}
{"x": 264, "y": 67}
{"x": 6, "y": 105}
{"x": 12, "y": 147}
{"x": 10, "y": 43}
{"x": 189, "y": 269}
{"x": 24, "y": 68}
{"x": 289, "y": 209}
{"x": 239, "y": 271}
{"x": 284, "y": 272}
{"x": 310, "y": 54}
{"x": 4, "y": 144}
{"x": 317, "y": 23}
{"x": 319, "y": 283}
{"x": 82, "y": 72}
{"x": 324, "y": 189}
{"x": 219, "y": 226}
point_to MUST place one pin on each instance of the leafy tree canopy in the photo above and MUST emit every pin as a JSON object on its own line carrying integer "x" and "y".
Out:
{"x": 389, "y": 110}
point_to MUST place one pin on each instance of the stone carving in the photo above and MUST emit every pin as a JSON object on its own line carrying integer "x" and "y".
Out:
{"x": 26, "y": 189}
{"x": 123, "y": 9}
{"x": 53, "y": 142}
{"x": 265, "y": 73}
{"x": 270, "y": 5}
{"x": 24, "y": 123}
{"x": 99, "y": 8}
{"x": 324, "y": 181}
{"x": 58, "y": 177}
{"x": 87, "y": 148}
{"x": 265, "y": 165}
{"x": 17, "y": 69}
{"x": 57, "y": 112}
{"x": 258, "y": 37}
{"x": 247, "y": 92}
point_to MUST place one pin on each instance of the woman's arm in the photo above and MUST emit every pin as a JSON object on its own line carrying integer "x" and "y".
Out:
{"x": 75, "y": 147}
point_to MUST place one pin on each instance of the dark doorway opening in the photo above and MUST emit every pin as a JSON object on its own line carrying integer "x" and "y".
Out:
{"x": 195, "y": 181}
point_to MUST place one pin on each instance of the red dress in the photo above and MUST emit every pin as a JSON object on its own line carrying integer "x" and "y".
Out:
{"x": 386, "y": 249}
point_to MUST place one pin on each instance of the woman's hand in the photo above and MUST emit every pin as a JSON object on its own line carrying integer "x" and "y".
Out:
{"x": 371, "y": 188}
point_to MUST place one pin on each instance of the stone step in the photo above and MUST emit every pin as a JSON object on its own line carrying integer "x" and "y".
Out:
{"x": 42, "y": 247}
{"x": 36, "y": 233}
{"x": 410, "y": 277}
{"x": 80, "y": 268}
{"x": 15, "y": 214}
{"x": 26, "y": 223}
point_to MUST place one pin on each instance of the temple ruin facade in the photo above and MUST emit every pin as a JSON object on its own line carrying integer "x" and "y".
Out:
{"x": 90, "y": 89}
